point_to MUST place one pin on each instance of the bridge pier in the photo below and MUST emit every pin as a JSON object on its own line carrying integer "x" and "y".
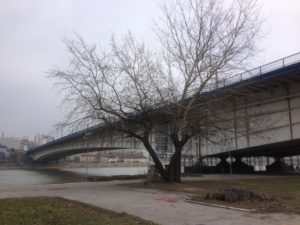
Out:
{"x": 278, "y": 166}
{"x": 238, "y": 166}
{"x": 223, "y": 166}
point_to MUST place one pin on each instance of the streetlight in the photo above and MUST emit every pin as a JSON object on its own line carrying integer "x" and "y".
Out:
{"x": 230, "y": 165}
{"x": 86, "y": 137}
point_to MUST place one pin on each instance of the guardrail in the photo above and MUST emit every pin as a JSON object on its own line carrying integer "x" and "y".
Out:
{"x": 278, "y": 64}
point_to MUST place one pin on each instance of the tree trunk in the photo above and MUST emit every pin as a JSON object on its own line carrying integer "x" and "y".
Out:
{"x": 173, "y": 173}
{"x": 155, "y": 158}
{"x": 174, "y": 170}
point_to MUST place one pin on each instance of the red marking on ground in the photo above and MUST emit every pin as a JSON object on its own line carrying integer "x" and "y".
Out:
{"x": 170, "y": 200}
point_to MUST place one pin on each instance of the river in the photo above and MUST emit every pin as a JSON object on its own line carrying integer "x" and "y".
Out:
{"x": 18, "y": 177}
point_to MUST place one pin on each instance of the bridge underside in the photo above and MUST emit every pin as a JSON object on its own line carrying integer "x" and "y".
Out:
{"x": 275, "y": 150}
{"x": 64, "y": 153}
{"x": 272, "y": 158}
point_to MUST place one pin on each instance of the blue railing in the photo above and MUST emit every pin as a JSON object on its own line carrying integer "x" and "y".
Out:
{"x": 278, "y": 64}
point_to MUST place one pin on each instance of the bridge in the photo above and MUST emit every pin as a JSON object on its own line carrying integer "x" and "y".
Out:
{"x": 96, "y": 138}
{"x": 263, "y": 110}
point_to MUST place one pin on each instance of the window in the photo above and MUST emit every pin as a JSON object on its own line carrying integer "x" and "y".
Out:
{"x": 161, "y": 142}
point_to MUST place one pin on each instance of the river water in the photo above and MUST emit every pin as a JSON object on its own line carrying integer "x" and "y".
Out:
{"x": 18, "y": 177}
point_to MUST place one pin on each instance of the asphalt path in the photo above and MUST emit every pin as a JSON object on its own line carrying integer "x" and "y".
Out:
{"x": 160, "y": 207}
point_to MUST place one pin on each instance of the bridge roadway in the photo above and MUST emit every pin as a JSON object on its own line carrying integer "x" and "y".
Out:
{"x": 262, "y": 112}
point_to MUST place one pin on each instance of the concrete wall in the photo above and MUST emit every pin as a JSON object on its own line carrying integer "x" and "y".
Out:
{"x": 267, "y": 117}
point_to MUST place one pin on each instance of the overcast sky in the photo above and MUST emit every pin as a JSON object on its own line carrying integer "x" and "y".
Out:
{"x": 31, "y": 34}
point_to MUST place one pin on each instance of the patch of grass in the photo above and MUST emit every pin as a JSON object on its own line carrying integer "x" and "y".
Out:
{"x": 58, "y": 211}
{"x": 283, "y": 192}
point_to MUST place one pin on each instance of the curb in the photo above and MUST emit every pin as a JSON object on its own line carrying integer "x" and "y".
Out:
{"x": 220, "y": 206}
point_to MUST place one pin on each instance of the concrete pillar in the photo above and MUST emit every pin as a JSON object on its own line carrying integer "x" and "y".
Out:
{"x": 223, "y": 166}
{"x": 238, "y": 166}
{"x": 278, "y": 166}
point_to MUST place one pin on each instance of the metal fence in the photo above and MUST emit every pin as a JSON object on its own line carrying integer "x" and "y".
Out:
{"x": 278, "y": 64}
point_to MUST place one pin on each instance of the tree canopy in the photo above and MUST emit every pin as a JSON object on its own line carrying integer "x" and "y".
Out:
{"x": 201, "y": 43}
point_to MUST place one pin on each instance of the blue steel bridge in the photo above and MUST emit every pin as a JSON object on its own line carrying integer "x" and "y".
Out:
{"x": 268, "y": 93}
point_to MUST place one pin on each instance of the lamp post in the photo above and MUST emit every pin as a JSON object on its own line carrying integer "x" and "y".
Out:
{"x": 230, "y": 165}
{"x": 86, "y": 137}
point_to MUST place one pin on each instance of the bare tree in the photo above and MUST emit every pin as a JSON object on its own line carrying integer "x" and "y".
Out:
{"x": 133, "y": 88}
{"x": 203, "y": 43}
{"x": 115, "y": 86}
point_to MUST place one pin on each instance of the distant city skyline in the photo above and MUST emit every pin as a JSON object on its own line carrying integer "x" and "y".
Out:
{"x": 31, "y": 43}
{"x": 24, "y": 143}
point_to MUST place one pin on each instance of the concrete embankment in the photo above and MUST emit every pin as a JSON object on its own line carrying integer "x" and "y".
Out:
{"x": 84, "y": 165}
{"x": 72, "y": 165}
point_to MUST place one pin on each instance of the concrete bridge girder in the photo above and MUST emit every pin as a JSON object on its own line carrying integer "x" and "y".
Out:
{"x": 268, "y": 115}
{"x": 95, "y": 142}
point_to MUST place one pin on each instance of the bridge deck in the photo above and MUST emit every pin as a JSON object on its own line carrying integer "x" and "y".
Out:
{"x": 276, "y": 150}
{"x": 259, "y": 79}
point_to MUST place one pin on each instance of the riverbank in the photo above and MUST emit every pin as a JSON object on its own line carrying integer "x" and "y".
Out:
{"x": 115, "y": 177}
{"x": 165, "y": 208}
{"x": 92, "y": 165}
{"x": 73, "y": 165}
{"x": 34, "y": 176}
{"x": 14, "y": 167}
{"x": 270, "y": 193}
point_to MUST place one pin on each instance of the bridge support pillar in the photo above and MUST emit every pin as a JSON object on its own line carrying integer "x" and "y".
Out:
{"x": 278, "y": 166}
{"x": 207, "y": 167}
{"x": 223, "y": 166}
{"x": 238, "y": 166}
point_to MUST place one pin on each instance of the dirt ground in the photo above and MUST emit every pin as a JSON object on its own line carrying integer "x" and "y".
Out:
{"x": 280, "y": 193}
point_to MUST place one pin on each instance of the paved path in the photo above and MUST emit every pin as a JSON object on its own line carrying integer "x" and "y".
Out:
{"x": 163, "y": 208}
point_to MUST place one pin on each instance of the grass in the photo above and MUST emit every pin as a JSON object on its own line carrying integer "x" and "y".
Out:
{"x": 283, "y": 193}
{"x": 58, "y": 211}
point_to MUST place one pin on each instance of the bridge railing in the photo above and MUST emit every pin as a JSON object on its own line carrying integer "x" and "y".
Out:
{"x": 278, "y": 64}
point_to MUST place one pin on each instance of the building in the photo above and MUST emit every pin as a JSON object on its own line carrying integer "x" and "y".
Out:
{"x": 16, "y": 143}
{"x": 41, "y": 139}
{"x": 4, "y": 154}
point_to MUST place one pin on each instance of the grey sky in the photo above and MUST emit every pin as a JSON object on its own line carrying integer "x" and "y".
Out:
{"x": 31, "y": 43}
